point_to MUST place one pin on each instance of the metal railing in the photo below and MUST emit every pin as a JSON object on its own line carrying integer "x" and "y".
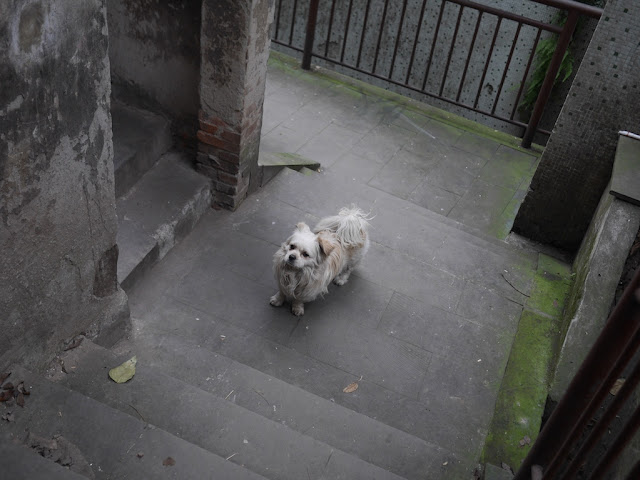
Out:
{"x": 610, "y": 355}
{"x": 354, "y": 39}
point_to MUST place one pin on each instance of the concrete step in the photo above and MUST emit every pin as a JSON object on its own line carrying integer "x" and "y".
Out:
{"x": 18, "y": 461}
{"x": 219, "y": 425}
{"x": 272, "y": 163}
{"x": 112, "y": 443}
{"x": 140, "y": 137}
{"x": 158, "y": 212}
{"x": 323, "y": 420}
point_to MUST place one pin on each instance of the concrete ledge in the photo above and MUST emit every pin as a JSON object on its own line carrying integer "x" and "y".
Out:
{"x": 597, "y": 270}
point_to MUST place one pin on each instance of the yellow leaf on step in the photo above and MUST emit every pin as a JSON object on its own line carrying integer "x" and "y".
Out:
{"x": 352, "y": 387}
{"x": 124, "y": 372}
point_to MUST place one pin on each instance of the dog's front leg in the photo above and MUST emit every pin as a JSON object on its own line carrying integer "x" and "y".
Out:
{"x": 277, "y": 300}
{"x": 297, "y": 308}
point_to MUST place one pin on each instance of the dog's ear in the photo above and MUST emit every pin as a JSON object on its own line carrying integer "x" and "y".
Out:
{"x": 302, "y": 226}
{"x": 326, "y": 244}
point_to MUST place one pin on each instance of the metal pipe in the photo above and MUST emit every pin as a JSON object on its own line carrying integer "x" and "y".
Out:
{"x": 579, "y": 7}
{"x": 311, "y": 32}
{"x": 326, "y": 45}
{"x": 526, "y": 74}
{"x": 395, "y": 48}
{"x": 364, "y": 27}
{"x": 433, "y": 45}
{"x": 593, "y": 372}
{"x": 384, "y": 18}
{"x": 466, "y": 65}
{"x": 506, "y": 68}
{"x": 453, "y": 43}
{"x": 346, "y": 31}
{"x": 415, "y": 41}
{"x": 486, "y": 65}
{"x": 549, "y": 79}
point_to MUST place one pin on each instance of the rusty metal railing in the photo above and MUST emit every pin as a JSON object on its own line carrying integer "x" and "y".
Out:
{"x": 421, "y": 79}
{"x": 611, "y": 354}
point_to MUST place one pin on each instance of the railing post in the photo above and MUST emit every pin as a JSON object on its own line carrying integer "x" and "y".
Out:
{"x": 549, "y": 79}
{"x": 311, "y": 33}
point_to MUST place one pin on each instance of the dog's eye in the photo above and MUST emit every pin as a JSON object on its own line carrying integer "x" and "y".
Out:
{"x": 292, "y": 247}
{"x": 305, "y": 254}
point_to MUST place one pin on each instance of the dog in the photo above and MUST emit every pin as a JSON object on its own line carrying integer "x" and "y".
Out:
{"x": 310, "y": 260}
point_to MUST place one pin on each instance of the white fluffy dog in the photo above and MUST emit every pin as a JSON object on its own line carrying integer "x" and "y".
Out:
{"x": 309, "y": 260}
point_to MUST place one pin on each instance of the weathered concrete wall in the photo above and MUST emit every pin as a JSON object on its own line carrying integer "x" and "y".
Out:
{"x": 154, "y": 48}
{"x": 332, "y": 43}
{"x": 576, "y": 164}
{"x": 235, "y": 49}
{"x": 57, "y": 208}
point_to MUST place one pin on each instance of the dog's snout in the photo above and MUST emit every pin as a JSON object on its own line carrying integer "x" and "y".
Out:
{"x": 292, "y": 257}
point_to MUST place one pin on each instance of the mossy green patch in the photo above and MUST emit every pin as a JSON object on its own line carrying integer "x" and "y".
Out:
{"x": 525, "y": 385}
{"x": 551, "y": 287}
{"x": 523, "y": 392}
{"x": 286, "y": 159}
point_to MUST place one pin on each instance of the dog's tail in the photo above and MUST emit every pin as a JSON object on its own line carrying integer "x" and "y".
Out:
{"x": 350, "y": 226}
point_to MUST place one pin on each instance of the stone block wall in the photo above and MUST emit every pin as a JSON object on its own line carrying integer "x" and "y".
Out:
{"x": 57, "y": 208}
{"x": 576, "y": 164}
{"x": 154, "y": 49}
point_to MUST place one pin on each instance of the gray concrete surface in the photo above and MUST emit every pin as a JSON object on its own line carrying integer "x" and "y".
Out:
{"x": 424, "y": 325}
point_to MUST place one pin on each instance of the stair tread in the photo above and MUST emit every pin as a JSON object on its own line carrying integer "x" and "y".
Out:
{"x": 18, "y": 461}
{"x": 304, "y": 412}
{"x": 269, "y": 446}
{"x": 110, "y": 440}
{"x": 147, "y": 216}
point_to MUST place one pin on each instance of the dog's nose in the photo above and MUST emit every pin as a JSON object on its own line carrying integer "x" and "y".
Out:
{"x": 292, "y": 257}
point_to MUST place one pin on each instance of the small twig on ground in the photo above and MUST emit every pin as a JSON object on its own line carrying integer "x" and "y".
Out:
{"x": 141, "y": 417}
{"x": 231, "y": 456}
{"x": 263, "y": 397}
{"x": 229, "y": 394}
{"x": 514, "y": 287}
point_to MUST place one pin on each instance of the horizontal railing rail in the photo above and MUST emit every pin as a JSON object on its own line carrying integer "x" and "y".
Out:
{"x": 450, "y": 53}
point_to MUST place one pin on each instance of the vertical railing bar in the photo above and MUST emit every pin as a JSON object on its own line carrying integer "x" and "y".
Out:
{"x": 326, "y": 45}
{"x": 293, "y": 21}
{"x": 549, "y": 79}
{"x": 618, "y": 445}
{"x": 346, "y": 31}
{"x": 466, "y": 65}
{"x": 506, "y": 68}
{"x": 453, "y": 43}
{"x": 486, "y": 65}
{"x": 598, "y": 430}
{"x": 433, "y": 45}
{"x": 602, "y": 365}
{"x": 526, "y": 73}
{"x": 278, "y": 18}
{"x": 415, "y": 42}
{"x": 384, "y": 18}
{"x": 395, "y": 49}
{"x": 312, "y": 20}
{"x": 364, "y": 27}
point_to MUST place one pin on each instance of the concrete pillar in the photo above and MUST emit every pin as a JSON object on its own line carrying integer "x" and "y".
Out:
{"x": 576, "y": 164}
{"x": 57, "y": 207}
{"x": 235, "y": 47}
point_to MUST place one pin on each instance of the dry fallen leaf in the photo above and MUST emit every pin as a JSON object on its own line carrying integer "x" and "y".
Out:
{"x": 125, "y": 372}
{"x": 6, "y": 395}
{"x": 4, "y": 376}
{"x": 168, "y": 462}
{"x": 525, "y": 441}
{"x": 352, "y": 387}
{"x": 140, "y": 454}
{"x": 8, "y": 386}
{"x": 617, "y": 386}
{"x": 20, "y": 400}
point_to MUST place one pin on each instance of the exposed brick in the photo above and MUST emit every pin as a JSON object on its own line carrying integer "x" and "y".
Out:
{"x": 231, "y": 136}
{"x": 224, "y": 188}
{"x": 228, "y": 178}
{"x": 209, "y": 128}
{"x": 215, "y": 141}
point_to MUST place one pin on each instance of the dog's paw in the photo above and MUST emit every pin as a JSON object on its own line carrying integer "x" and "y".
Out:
{"x": 276, "y": 300}
{"x": 341, "y": 279}
{"x": 297, "y": 309}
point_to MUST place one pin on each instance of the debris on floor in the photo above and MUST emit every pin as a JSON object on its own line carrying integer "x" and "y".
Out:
{"x": 124, "y": 372}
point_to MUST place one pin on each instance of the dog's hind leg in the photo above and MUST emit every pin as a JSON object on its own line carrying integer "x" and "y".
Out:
{"x": 343, "y": 276}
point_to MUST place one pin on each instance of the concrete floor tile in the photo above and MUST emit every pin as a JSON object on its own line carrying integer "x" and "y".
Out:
{"x": 283, "y": 139}
{"x": 358, "y": 168}
{"x": 477, "y": 145}
{"x": 434, "y": 198}
{"x": 403, "y": 173}
{"x": 451, "y": 177}
{"x": 484, "y": 306}
{"x": 482, "y": 204}
{"x": 413, "y": 278}
{"x": 508, "y": 168}
{"x": 330, "y": 145}
{"x": 381, "y": 143}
